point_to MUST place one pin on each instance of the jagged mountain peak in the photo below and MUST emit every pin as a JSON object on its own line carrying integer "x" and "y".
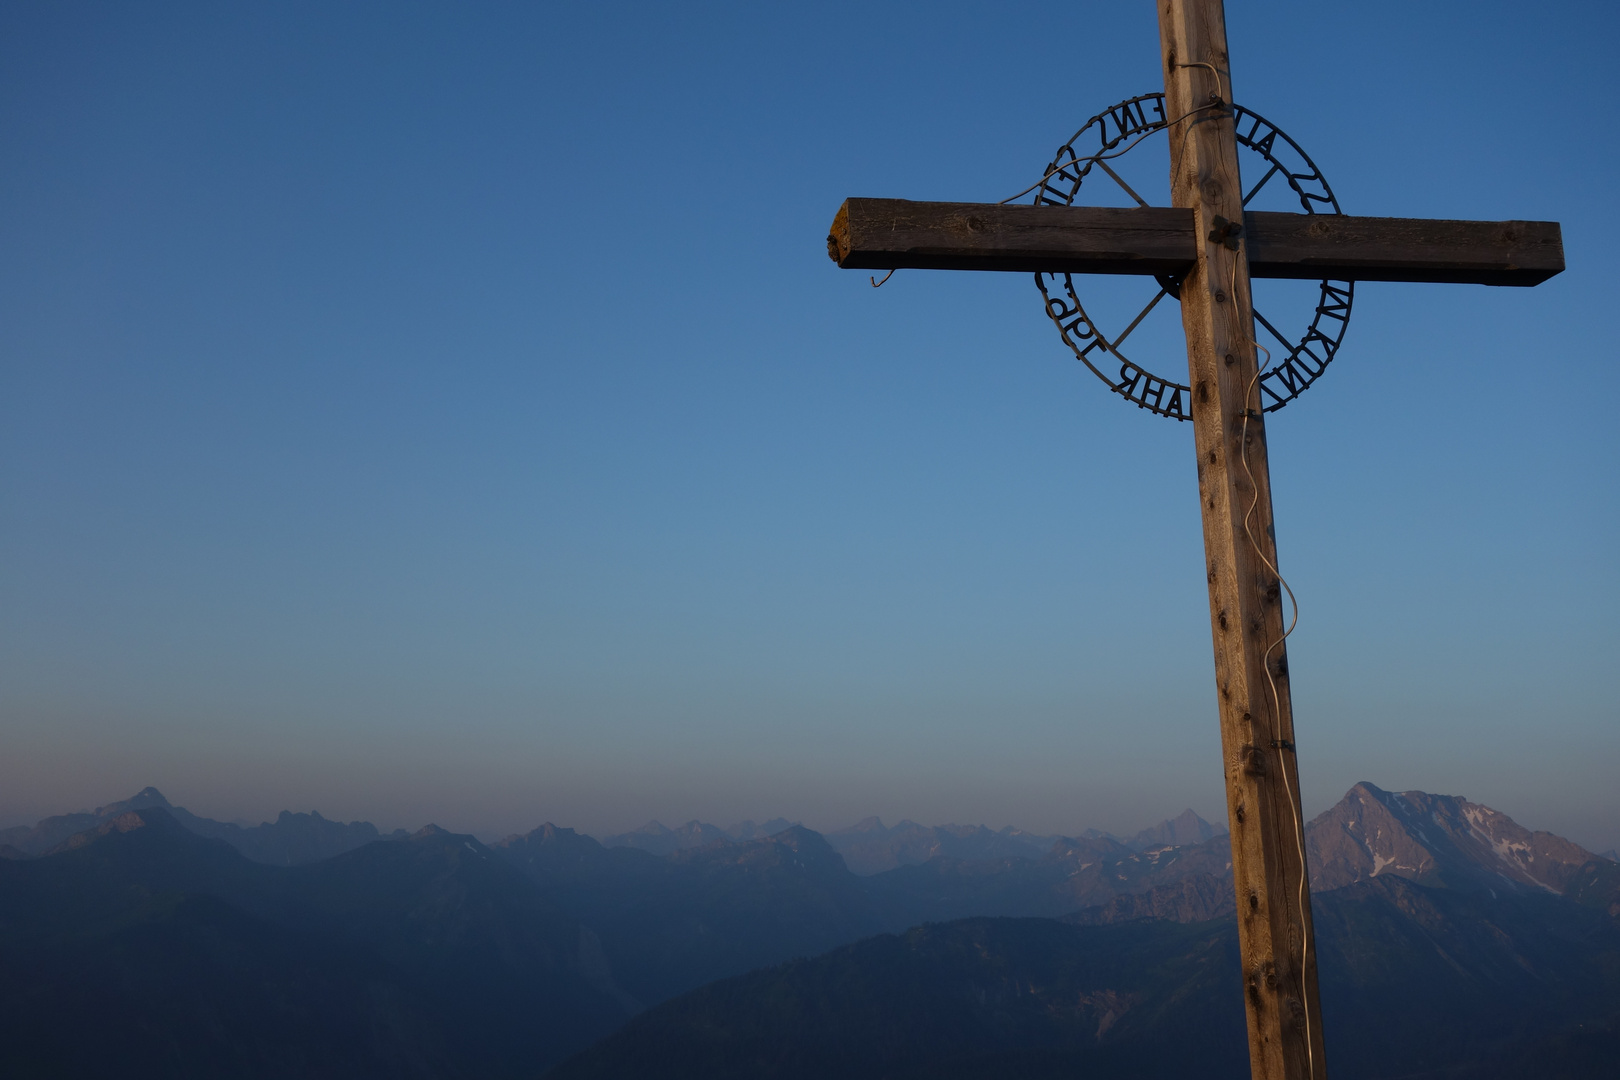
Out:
{"x": 291, "y": 839}
{"x": 557, "y": 834}
{"x": 1441, "y": 840}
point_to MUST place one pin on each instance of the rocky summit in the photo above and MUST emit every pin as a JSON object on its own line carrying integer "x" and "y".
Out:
{"x": 1439, "y": 840}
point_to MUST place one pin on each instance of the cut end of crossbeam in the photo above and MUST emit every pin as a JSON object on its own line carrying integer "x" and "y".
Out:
{"x": 838, "y": 236}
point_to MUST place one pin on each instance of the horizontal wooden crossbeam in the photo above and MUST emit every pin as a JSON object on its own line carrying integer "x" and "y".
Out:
{"x": 890, "y": 234}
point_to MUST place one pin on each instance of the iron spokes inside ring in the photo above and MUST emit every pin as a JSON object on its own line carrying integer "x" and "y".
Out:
{"x": 1120, "y": 128}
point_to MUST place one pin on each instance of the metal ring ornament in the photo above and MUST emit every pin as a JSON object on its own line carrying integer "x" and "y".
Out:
{"x": 1304, "y": 359}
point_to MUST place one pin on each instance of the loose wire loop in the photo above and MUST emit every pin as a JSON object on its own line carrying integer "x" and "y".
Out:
{"x": 1100, "y": 157}
{"x": 1279, "y": 742}
{"x": 1216, "y": 102}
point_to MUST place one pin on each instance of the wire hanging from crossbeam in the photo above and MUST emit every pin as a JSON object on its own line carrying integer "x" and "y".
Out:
{"x": 1099, "y": 157}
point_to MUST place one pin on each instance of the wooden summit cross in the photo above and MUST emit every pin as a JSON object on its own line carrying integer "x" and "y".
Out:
{"x": 1206, "y": 237}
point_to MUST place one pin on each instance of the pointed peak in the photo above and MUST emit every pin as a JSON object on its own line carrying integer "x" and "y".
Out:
{"x": 147, "y": 796}
{"x": 427, "y": 832}
{"x": 1185, "y": 828}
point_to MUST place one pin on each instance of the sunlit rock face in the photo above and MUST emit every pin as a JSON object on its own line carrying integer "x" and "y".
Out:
{"x": 1439, "y": 840}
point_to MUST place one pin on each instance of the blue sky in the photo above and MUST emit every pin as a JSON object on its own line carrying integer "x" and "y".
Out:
{"x": 434, "y": 412}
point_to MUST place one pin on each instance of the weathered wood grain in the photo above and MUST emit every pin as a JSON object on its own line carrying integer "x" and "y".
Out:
{"x": 885, "y": 234}
{"x": 1403, "y": 249}
{"x": 1245, "y": 603}
{"x": 889, "y": 234}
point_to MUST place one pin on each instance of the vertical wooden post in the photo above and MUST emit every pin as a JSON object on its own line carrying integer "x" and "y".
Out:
{"x": 1246, "y": 616}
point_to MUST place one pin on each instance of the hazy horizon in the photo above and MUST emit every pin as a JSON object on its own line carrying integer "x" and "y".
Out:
{"x": 445, "y": 414}
{"x": 674, "y": 821}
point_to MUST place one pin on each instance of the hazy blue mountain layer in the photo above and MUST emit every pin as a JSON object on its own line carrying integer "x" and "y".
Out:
{"x": 140, "y": 944}
{"x": 143, "y": 948}
{"x": 870, "y": 847}
{"x": 289, "y": 840}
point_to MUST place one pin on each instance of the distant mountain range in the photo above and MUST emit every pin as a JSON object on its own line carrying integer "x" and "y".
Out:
{"x": 247, "y": 953}
{"x": 289, "y": 840}
{"x": 870, "y": 847}
{"x": 867, "y": 847}
{"x": 655, "y": 839}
